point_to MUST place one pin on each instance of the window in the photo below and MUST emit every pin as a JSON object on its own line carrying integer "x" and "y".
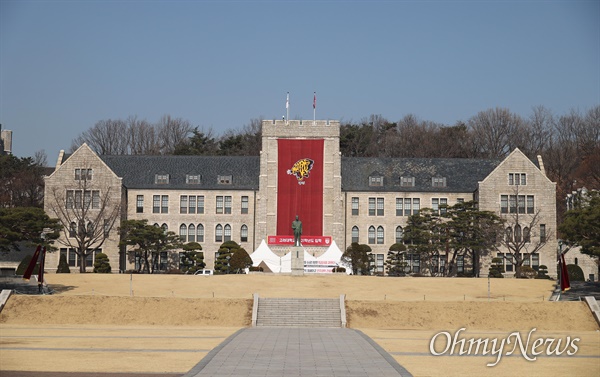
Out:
{"x": 435, "y": 205}
{"x": 407, "y": 181}
{"x": 156, "y": 204}
{"x": 535, "y": 261}
{"x": 460, "y": 200}
{"x": 161, "y": 179}
{"x": 416, "y": 206}
{"x": 192, "y": 201}
{"x": 380, "y": 206}
{"x": 78, "y": 196}
{"x": 503, "y": 203}
{"x": 380, "y": 235}
{"x": 407, "y": 205}
{"x": 509, "y": 263}
{"x": 244, "y": 233}
{"x": 371, "y": 206}
{"x": 183, "y": 204}
{"x": 509, "y": 234}
{"x": 70, "y": 200}
{"x": 521, "y": 203}
{"x": 530, "y": 206}
{"x": 163, "y": 261}
{"x": 375, "y": 181}
{"x": 244, "y": 204}
{"x": 517, "y": 179}
{"x": 83, "y": 174}
{"x": 399, "y": 202}
{"x": 182, "y": 232}
{"x": 224, "y": 179}
{"x": 416, "y": 263}
{"x": 443, "y": 205}
{"x": 460, "y": 264}
{"x": 542, "y": 232}
{"x": 72, "y": 257}
{"x": 526, "y": 235}
{"x": 355, "y": 234}
{"x": 201, "y": 204}
{"x": 228, "y": 204}
{"x": 219, "y": 233}
{"x": 138, "y": 260}
{"x": 73, "y": 229}
{"x": 164, "y": 228}
{"x": 192, "y": 179}
{"x": 518, "y": 233}
{"x": 200, "y": 233}
{"x": 438, "y": 181}
{"x": 87, "y": 199}
{"x": 512, "y": 204}
{"x": 164, "y": 208}
{"x": 191, "y": 233}
{"x": 371, "y": 234}
{"x": 227, "y": 233}
{"x": 355, "y": 206}
{"x": 380, "y": 262}
{"x": 219, "y": 204}
{"x": 106, "y": 228}
{"x": 399, "y": 234}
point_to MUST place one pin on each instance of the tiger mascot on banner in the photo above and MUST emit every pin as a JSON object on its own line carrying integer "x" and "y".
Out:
{"x": 301, "y": 169}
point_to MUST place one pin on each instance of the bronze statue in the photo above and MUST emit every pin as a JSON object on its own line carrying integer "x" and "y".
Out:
{"x": 297, "y": 228}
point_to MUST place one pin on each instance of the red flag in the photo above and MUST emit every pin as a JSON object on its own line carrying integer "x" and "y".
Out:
{"x": 31, "y": 267}
{"x": 315, "y": 101}
{"x": 565, "y": 285}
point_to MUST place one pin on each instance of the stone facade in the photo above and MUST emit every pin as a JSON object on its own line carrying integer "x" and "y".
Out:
{"x": 366, "y": 198}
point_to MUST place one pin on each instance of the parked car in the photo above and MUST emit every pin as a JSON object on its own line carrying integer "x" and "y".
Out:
{"x": 204, "y": 272}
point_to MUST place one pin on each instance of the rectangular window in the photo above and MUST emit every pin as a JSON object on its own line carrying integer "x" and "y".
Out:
{"x": 355, "y": 206}
{"x": 78, "y": 174}
{"x": 192, "y": 179}
{"x": 70, "y": 200}
{"x": 460, "y": 264}
{"x": 443, "y": 205}
{"x": 89, "y": 259}
{"x": 87, "y": 199}
{"x": 380, "y": 235}
{"x": 192, "y": 204}
{"x": 523, "y": 179}
{"x": 244, "y": 204}
{"x": 535, "y": 261}
{"x": 416, "y": 206}
{"x": 72, "y": 258}
{"x": 183, "y": 204}
{"x": 78, "y": 199}
{"x": 95, "y": 199}
{"x": 503, "y": 203}
{"x": 530, "y": 204}
{"x": 106, "y": 228}
{"x": 407, "y": 206}
{"x": 228, "y": 204}
{"x": 355, "y": 234}
{"x": 542, "y": 232}
{"x": 438, "y": 181}
{"x": 380, "y": 206}
{"x": 407, "y": 181}
{"x": 163, "y": 261}
{"x": 380, "y": 262}
{"x": 416, "y": 263}
{"x": 511, "y": 179}
{"x": 201, "y": 204}
{"x": 509, "y": 263}
{"x": 521, "y": 203}
{"x": 371, "y": 206}
{"x": 460, "y": 200}
{"x": 219, "y": 204}
{"x": 372, "y": 235}
{"x": 244, "y": 234}
{"x": 399, "y": 202}
{"x": 224, "y": 179}
{"x": 219, "y": 234}
{"x": 512, "y": 204}
{"x": 200, "y": 233}
{"x": 156, "y": 204}
{"x": 164, "y": 208}
{"x": 517, "y": 179}
{"x": 435, "y": 205}
{"x": 161, "y": 179}
{"x": 227, "y": 233}
{"x": 375, "y": 181}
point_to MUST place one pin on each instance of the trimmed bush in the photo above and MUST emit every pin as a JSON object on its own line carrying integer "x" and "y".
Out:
{"x": 496, "y": 269}
{"x": 63, "y": 266}
{"x": 101, "y": 264}
{"x": 542, "y": 273}
{"x": 527, "y": 272}
{"x": 575, "y": 272}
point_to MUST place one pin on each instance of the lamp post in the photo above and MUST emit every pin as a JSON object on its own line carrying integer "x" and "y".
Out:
{"x": 228, "y": 265}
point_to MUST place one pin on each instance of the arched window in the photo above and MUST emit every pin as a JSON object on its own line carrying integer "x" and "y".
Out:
{"x": 380, "y": 235}
{"x": 156, "y": 225}
{"x": 165, "y": 228}
{"x": 371, "y": 234}
{"x": 244, "y": 233}
{"x": 399, "y": 234}
{"x": 509, "y": 234}
{"x": 227, "y": 232}
{"x": 200, "y": 233}
{"x": 219, "y": 233}
{"x": 73, "y": 229}
{"x": 183, "y": 232}
{"x": 355, "y": 234}
{"x": 191, "y": 233}
{"x": 526, "y": 235}
{"x": 518, "y": 234}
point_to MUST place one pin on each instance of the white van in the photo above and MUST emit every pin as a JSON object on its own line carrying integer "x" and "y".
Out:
{"x": 204, "y": 272}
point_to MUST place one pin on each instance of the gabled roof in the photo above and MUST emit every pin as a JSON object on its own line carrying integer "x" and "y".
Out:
{"x": 139, "y": 171}
{"x": 461, "y": 174}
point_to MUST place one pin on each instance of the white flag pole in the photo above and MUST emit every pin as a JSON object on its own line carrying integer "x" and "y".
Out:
{"x": 314, "y": 107}
{"x": 287, "y": 107}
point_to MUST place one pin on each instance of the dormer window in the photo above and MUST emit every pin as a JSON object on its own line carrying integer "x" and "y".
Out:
{"x": 224, "y": 179}
{"x": 376, "y": 181}
{"x": 407, "y": 181}
{"x": 193, "y": 179}
{"x": 438, "y": 181}
{"x": 161, "y": 179}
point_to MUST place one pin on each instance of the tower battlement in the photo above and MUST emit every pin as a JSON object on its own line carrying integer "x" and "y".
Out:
{"x": 301, "y": 128}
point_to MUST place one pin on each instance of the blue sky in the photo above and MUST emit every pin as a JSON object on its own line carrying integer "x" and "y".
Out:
{"x": 64, "y": 65}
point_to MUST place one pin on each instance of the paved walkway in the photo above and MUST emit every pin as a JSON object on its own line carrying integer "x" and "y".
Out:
{"x": 298, "y": 352}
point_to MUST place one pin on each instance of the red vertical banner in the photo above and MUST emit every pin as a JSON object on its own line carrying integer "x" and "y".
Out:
{"x": 300, "y": 185}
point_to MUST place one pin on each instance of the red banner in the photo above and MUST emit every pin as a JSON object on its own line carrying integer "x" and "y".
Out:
{"x": 304, "y": 240}
{"x": 300, "y": 186}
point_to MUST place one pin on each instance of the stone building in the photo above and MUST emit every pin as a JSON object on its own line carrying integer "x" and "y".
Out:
{"x": 300, "y": 171}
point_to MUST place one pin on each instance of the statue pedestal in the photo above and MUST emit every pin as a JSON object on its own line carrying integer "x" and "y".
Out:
{"x": 297, "y": 261}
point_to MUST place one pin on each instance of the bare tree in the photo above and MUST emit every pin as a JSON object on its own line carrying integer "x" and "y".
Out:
{"x": 86, "y": 213}
{"x": 107, "y": 137}
{"x": 495, "y": 132}
{"x": 171, "y": 132}
{"x": 142, "y": 137}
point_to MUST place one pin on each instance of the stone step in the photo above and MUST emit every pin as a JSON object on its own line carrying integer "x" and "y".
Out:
{"x": 298, "y": 312}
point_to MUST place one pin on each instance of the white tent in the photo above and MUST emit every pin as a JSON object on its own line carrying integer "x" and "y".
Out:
{"x": 264, "y": 254}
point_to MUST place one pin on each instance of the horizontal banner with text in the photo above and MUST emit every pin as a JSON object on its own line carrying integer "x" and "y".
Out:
{"x": 304, "y": 240}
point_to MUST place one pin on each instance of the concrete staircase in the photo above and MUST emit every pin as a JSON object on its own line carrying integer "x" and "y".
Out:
{"x": 299, "y": 312}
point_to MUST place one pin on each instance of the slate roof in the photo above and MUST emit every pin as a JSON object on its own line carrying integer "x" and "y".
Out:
{"x": 461, "y": 174}
{"x": 140, "y": 171}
